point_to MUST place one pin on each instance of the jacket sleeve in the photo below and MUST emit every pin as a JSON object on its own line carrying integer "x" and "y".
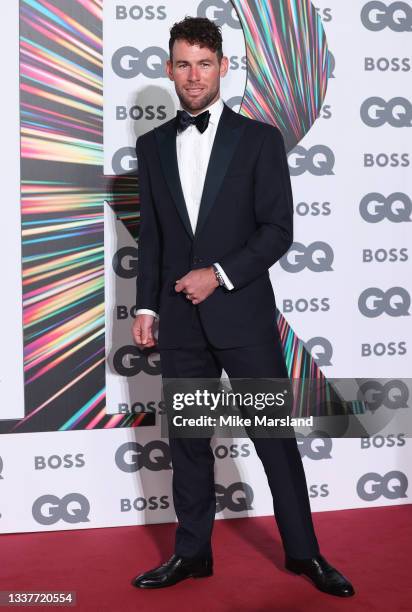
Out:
{"x": 149, "y": 243}
{"x": 273, "y": 207}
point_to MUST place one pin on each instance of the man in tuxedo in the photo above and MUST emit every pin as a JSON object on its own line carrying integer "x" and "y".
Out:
{"x": 216, "y": 213}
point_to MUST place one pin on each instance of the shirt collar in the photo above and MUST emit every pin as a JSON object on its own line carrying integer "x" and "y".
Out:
{"x": 215, "y": 110}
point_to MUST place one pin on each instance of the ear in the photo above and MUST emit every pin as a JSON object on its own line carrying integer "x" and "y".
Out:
{"x": 224, "y": 66}
{"x": 169, "y": 69}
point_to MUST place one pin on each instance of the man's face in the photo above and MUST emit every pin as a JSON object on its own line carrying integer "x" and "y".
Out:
{"x": 196, "y": 74}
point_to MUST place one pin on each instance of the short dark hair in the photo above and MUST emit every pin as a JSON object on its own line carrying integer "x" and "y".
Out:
{"x": 197, "y": 31}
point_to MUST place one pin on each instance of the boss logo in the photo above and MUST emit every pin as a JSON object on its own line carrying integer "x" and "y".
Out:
{"x": 137, "y": 12}
{"x": 55, "y": 461}
{"x": 129, "y": 62}
{"x": 237, "y": 497}
{"x": 316, "y": 446}
{"x": 142, "y": 503}
{"x": 382, "y": 255}
{"x": 233, "y": 451}
{"x": 130, "y": 360}
{"x": 379, "y": 349}
{"x": 397, "y": 207}
{"x": 142, "y": 408}
{"x": 154, "y": 456}
{"x": 393, "y": 394}
{"x": 237, "y": 63}
{"x": 395, "y": 302}
{"x": 306, "y": 305}
{"x": 325, "y": 14}
{"x": 124, "y": 312}
{"x": 397, "y": 112}
{"x": 136, "y": 113}
{"x": 321, "y": 490}
{"x": 325, "y": 112}
{"x": 384, "y": 160}
{"x": 386, "y": 64}
{"x": 318, "y": 160}
{"x": 317, "y": 256}
{"x": 72, "y": 508}
{"x": 314, "y": 209}
{"x": 222, "y": 12}
{"x": 392, "y": 485}
{"x": 324, "y": 355}
{"x": 397, "y": 16}
{"x": 382, "y": 441}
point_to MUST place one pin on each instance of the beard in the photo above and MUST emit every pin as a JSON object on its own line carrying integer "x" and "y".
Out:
{"x": 199, "y": 103}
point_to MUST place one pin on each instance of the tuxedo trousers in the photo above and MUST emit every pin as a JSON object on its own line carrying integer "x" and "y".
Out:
{"x": 193, "y": 459}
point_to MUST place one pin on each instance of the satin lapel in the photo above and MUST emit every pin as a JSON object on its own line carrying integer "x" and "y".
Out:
{"x": 226, "y": 140}
{"x": 166, "y": 142}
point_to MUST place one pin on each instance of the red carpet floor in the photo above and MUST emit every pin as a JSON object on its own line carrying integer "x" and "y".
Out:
{"x": 370, "y": 546}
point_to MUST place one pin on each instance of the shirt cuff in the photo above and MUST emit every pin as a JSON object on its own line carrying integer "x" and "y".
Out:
{"x": 147, "y": 311}
{"x": 228, "y": 283}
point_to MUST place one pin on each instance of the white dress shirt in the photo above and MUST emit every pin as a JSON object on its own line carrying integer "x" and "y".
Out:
{"x": 193, "y": 153}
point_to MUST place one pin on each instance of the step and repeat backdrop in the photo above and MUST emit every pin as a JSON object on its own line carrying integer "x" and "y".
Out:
{"x": 81, "y": 442}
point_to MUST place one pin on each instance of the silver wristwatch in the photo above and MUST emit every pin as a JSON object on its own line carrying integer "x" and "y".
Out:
{"x": 218, "y": 275}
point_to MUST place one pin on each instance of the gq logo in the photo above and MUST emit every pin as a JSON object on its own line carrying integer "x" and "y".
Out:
{"x": 397, "y": 16}
{"x": 393, "y": 394}
{"x": 316, "y": 446}
{"x": 324, "y": 355}
{"x": 375, "y": 207}
{"x": 237, "y": 497}
{"x": 1, "y": 469}
{"x": 124, "y": 262}
{"x": 49, "y": 509}
{"x": 317, "y": 256}
{"x": 331, "y": 65}
{"x": 124, "y": 160}
{"x": 318, "y": 160}
{"x": 397, "y": 112}
{"x": 222, "y": 13}
{"x": 155, "y": 456}
{"x": 130, "y": 360}
{"x": 374, "y": 302}
{"x": 392, "y": 485}
{"x": 234, "y": 101}
{"x": 128, "y": 62}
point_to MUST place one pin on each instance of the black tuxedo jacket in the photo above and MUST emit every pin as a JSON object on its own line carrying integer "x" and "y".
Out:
{"x": 245, "y": 223}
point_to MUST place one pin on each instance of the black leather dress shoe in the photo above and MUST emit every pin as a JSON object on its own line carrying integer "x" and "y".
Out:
{"x": 173, "y": 571}
{"x": 325, "y": 577}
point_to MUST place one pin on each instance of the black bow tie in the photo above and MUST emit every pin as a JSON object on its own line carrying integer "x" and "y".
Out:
{"x": 183, "y": 120}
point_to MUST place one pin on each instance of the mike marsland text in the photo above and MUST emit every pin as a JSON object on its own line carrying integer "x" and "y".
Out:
{"x": 238, "y": 421}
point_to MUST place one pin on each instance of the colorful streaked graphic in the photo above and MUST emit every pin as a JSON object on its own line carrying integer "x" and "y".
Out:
{"x": 287, "y": 64}
{"x": 63, "y": 190}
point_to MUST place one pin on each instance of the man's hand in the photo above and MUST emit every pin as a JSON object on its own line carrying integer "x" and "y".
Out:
{"x": 197, "y": 284}
{"x": 143, "y": 330}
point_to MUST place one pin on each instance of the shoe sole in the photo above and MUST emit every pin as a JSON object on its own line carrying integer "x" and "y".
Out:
{"x": 299, "y": 573}
{"x": 164, "y": 586}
